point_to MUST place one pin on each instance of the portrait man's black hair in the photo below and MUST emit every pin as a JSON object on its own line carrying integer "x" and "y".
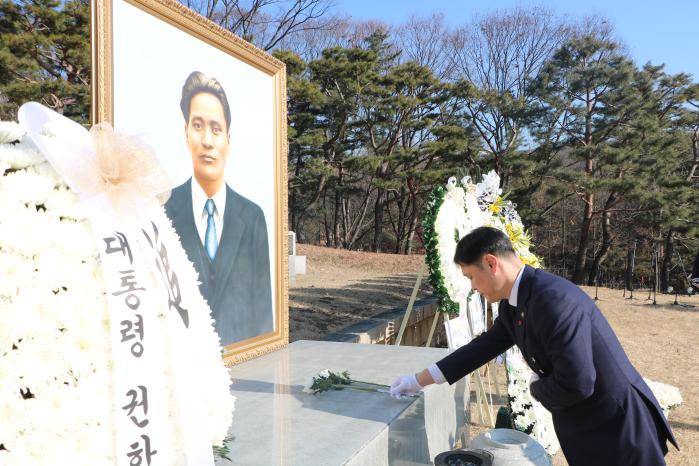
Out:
{"x": 196, "y": 83}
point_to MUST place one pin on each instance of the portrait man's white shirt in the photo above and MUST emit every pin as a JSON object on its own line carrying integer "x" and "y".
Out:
{"x": 201, "y": 218}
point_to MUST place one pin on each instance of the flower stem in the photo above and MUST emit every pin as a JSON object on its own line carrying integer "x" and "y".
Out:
{"x": 370, "y": 383}
{"x": 363, "y": 389}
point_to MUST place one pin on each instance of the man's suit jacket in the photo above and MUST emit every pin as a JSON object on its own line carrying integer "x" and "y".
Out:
{"x": 237, "y": 283}
{"x": 603, "y": 412}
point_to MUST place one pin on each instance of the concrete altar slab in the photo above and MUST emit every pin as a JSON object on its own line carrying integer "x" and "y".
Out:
{"x": 276, "y": 423}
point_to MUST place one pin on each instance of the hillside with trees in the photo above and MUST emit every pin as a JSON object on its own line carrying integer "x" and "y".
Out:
{"x": 599, "y": 153}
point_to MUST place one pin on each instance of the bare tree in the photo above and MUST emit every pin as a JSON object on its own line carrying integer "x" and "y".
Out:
{"x": 599, "y": 27}
{"x": 497, "y": 56}
{"x": 265, "y": 22}
{"x": 425, "y": 41}
{"x": 310, "y": 43}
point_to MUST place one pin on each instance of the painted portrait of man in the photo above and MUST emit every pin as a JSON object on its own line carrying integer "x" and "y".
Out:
{"x": 223, "y": 233}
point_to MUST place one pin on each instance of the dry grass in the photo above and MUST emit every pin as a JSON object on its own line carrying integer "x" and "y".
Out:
{"x": 662, "y": 341}
{"x": 345, "y": 287}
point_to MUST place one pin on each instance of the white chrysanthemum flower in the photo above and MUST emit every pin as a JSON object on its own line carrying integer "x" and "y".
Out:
{"x": 65, "y": 203}
{"x": 24, "y": 231}
{"x": 527, "y": 419}
{"x": 10, "y": 132}
{"x": 307, "y": 386}
{"x": 46, "y": 170}
{"x": 27, "y": 186}
{"x": 75, "y": 239}
{"x": 21, "y": 155}
{"x": 14, "y": 271}
{"x": 512, "y": 216}
{"x": 56, "y": 341}
{"x": 488, "y": 189}
{"x": 668, "y": 396}
{"x": 529, "y": 412}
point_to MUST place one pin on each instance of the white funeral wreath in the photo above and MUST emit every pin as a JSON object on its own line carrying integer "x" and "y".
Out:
{"x": 56, "y": 380}
{"x": 454, "y": 210}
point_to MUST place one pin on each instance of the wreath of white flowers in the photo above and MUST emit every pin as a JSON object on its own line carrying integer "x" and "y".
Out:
{"x": 452, "y": 212}
{"x": 56, "y": 400}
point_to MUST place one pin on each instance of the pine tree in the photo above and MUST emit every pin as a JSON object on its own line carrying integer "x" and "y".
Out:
{"x": 45, "y": 56}
{"x": 586, "y": 99}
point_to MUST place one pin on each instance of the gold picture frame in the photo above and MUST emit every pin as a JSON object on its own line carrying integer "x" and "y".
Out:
{"x": 137, "y": 85}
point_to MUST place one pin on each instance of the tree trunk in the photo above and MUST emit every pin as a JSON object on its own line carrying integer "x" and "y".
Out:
{"x": 563, "y": 236}
{"x": 695, "y": 152}
{"x": 580, "y": 257}
{"x": 328, "y": 239}
{"x": 378, "y": 220}
{"x": 293, "y": 201}
{"x": 607, "y": 238}
{"x": 355, "y": 225}
{"x": 667, "y": 260}
{"x": 604, "y": 250}
{"x": 380, "y": 204}
{"x": 338, "y": 207}
{"x": 400, "y": 227}
{"x": 695, "y": 267}
{"x": 413, "y": 217}
{"x": 630, "y": 263}
{"x": 411, "y": 232}
{"x": 588, "y": 199}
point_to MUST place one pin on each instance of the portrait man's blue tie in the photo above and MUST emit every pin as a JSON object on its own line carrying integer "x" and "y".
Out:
{"x": 210, "y": 239}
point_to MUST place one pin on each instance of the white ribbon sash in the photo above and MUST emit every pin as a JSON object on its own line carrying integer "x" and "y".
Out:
{"x": 155, "y": 385}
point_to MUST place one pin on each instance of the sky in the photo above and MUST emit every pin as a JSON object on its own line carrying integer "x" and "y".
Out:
{"x": 653, "y": 30}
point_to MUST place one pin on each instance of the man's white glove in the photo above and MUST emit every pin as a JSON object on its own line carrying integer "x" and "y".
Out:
{"x": 533, "y": 379}
{"x": 405, "y": 386}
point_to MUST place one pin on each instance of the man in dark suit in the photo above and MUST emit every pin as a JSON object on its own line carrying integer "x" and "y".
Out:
{"x": 603, "y": 412}
{"x": 223, "y": 233}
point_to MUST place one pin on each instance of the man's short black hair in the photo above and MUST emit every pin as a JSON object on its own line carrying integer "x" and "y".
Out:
{"x": 196, "y": 83}
{"x": 481, "y": 241}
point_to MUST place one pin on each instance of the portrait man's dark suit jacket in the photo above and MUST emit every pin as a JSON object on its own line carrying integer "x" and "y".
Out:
{"x": 603, "y": 412}
{"x": 237, "y": 283}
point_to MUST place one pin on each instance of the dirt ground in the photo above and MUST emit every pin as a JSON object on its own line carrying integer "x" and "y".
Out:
{"x": 662, "y": 340}
{"x": 342, "y": 288}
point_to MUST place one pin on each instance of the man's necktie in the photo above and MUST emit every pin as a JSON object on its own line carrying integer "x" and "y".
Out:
{"x": 210, "y": 239}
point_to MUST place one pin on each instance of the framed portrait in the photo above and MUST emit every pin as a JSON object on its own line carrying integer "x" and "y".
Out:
{"x": 213, "y": 107}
